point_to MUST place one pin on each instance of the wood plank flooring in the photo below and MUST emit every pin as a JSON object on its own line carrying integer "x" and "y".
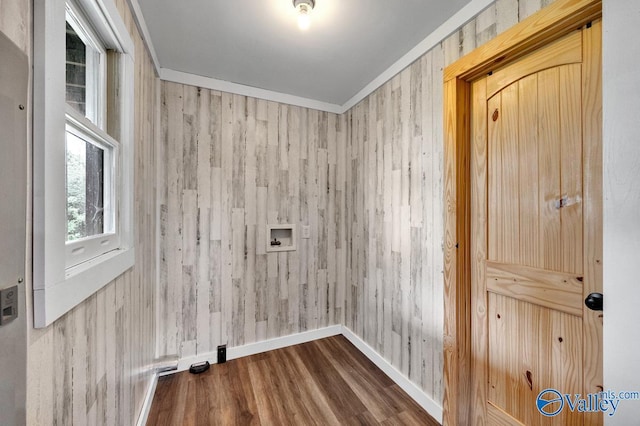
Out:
{"x": 324, "y": 382}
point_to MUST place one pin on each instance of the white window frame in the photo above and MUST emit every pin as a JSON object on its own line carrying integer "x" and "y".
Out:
{"x": 84, "y": 249}
{"x": 58, "y": 288}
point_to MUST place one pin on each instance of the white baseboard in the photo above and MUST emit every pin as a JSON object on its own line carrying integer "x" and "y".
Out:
{"x": 148, "y": 400}
{"x": 430, "y": 406}
{"x": 259, "y": 347}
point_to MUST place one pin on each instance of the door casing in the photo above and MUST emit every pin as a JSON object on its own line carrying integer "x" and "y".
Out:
{"x": 546, "y": 26}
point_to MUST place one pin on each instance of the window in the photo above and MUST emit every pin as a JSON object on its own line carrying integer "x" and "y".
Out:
{"x": 92, "y": 219}
{"x": 83, "y": 156}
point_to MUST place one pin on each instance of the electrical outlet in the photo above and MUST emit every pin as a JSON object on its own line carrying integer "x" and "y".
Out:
{"x": 222, "y": 354}
{"x": 306, "y": 232}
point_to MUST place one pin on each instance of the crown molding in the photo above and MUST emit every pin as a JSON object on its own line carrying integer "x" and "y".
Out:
{"x": 167, "y": 74}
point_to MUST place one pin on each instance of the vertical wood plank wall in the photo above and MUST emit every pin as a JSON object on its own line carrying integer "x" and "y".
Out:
{"x": 91, "y": 366}
{"x": 395, "y": 211}
{"x": 233, "y": 165}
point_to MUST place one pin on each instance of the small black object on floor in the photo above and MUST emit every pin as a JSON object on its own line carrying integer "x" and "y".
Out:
{"x": 199, "y": 367}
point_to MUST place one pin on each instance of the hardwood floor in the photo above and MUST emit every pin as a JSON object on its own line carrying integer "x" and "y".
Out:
{"x": 324, "y": 382}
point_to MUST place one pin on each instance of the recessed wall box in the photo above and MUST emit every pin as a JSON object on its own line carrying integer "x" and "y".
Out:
{"x": 281, "y": 238}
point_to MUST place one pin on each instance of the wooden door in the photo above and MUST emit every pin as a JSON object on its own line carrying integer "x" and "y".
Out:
{"x": 536, "y": 232}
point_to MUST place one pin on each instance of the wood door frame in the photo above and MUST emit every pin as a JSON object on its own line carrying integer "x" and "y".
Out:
{"x": 547, "y": 25}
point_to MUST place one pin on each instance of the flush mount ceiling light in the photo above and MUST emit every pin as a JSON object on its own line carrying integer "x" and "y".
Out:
{"x": 304, "y": 7}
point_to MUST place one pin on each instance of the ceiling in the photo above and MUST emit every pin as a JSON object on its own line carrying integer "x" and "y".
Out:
{"x": 257, "y": 43}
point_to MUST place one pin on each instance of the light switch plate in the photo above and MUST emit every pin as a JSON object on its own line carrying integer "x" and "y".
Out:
{"x": 8, "y": 305}
{"x": 306, "y": 232}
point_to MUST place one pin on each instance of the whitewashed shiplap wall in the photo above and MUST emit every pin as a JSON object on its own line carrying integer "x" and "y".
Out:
{"x": 92, "y": 366}
{"x": 233, "y": 164}
{"x": 395, "y": 204}
{"x": 394, "y": 295}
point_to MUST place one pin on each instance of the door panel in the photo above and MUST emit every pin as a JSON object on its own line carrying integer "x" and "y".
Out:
{"x": 549, "y": 357}
{"x": 535, "y": 160}
{"x": 532, "y": 160}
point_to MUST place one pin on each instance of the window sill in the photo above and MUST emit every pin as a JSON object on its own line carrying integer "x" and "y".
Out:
{"x": 80, "y": 282}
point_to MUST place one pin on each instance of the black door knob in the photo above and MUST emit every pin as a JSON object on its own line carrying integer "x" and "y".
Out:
{"x": 594, "y": 301}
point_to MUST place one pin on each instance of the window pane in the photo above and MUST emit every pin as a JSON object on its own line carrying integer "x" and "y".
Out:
{"x": 85, "y": 188}
{"x": 76, "y": 64}
{"x": 84, "y": 73}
